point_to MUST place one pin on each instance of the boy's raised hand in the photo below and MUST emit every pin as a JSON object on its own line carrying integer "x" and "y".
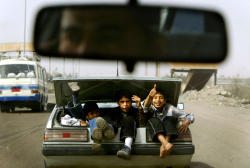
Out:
{"x": 137, "y": 101}
{"x": 152, "y": 91}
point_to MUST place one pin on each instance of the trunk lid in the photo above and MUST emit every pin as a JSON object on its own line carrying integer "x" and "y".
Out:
{"x": 105, "y": 89}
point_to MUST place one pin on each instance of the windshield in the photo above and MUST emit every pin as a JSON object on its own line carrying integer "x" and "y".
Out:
{"x": 17, "y": 71}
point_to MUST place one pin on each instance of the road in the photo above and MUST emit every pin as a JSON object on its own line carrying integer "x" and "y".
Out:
{"x": 21, "y": 135}
{"x": 221, "y": 136}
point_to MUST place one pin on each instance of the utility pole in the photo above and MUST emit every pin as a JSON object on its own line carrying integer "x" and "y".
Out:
{"x": 64, "y": 67}
{"x": 117, "y": 68}
{"x": 50, "y": 65}
{"x": 24, "y": 45}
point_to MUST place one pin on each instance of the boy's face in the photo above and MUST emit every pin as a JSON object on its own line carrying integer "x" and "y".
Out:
{"x": 125, "y": 104}
{"x": 158, "y": 101}
{"x": 85, "y": 32}
{"x": 92, "y": 114}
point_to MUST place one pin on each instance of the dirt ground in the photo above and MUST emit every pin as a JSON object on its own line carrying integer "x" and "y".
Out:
{"x": 221, "y": 135}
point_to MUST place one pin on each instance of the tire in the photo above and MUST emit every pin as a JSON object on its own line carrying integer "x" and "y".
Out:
{"x": 11, "y": 109}
{"x": 45, "y": 107}
{"x": 38, "y": 108}
{"x": 4, "y": 108}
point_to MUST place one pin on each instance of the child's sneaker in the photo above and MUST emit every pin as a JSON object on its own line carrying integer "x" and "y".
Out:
{"x": 124, "y": 152}
{"x": 101, "y": 123}
{"x": 109, "y": 133}
{"x": 97, "y": 138}
{"x": 97, "y": 134}
{"x": 107, "y": 130}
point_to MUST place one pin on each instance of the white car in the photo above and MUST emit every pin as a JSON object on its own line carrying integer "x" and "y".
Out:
{"x": 71, "y": 146}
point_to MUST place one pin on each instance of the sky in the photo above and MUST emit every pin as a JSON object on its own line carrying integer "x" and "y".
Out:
{"x": 14, "y": 29}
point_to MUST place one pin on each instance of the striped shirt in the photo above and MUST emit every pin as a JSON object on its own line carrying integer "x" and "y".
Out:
{"x": 168, "y": 110}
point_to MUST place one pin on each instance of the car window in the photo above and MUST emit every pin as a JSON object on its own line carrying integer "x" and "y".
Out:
{"x": 17, "y": 71}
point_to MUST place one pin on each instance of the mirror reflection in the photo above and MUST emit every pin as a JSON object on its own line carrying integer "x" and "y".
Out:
{"x": 131, "y": 33}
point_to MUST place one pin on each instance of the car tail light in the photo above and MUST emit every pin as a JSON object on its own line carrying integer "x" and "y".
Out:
{"x": 34, "y": 91}
{"x": 67, "y": 135}
{"x": 15, "y": 89}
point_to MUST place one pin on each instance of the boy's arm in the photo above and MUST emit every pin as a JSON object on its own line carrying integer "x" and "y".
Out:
{"x": 186, "y": 118}
{"x": 150, "y": 96}
{"x": 83, "y": 123}
{"x": 148, "y": 101}
{"x": 137, "y": 101}
{"x": 181, "y": 115}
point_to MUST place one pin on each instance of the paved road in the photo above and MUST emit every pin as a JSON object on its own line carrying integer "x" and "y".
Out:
{"x": 21, "y": 135}
{"x": 221, "y": 136}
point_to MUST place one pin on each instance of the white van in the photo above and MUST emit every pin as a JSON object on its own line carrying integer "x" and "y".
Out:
{"x": 23, "y": 83}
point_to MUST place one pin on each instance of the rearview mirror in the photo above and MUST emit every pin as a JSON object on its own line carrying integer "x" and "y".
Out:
{"x": 131, "y": 33}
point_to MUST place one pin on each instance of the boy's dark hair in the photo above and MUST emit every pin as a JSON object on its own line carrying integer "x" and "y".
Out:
{"x": 159, "y": 92}
{"x": 90, "y": 106}
{"x": 123, "y": 94}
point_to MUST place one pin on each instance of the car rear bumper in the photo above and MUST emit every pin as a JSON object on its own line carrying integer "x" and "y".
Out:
{"x": 142, "y": 156}
{"x": 111, "y": 149}
{"x": 111, "y": 161}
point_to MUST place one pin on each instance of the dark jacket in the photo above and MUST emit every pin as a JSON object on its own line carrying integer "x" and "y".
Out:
{"x": 116, "y": 115}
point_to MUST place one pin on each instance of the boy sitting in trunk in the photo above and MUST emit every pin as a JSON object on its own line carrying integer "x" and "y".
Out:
{"x": 126, "y": 117}
{"x": 163, "y": 123}
{"x": 99, "y": 127}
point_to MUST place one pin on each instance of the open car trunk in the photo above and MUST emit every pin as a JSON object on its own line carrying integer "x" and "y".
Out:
{"x": 103, "y": 91}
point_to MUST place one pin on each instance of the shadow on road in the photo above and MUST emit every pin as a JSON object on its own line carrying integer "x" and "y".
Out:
{"x": 26, "y": 111}
{"x": 50, "y": 107}
{"x": 199, "y": 165}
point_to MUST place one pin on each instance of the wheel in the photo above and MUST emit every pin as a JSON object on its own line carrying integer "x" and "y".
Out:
{"x": 45, "y": 107}
{"x": 38, "y": 108}
{"x": 11, "y": 109}
{"x": 4, "y": 108}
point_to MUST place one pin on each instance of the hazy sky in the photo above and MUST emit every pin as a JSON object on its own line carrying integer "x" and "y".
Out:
{"x": 237, "y": 18}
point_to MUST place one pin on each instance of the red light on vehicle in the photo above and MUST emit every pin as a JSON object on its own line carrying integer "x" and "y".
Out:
{"x": 15, "y": 89}
{"x": 34, "y": 91}
{"x": 66, "y": 135}
{"x": 80, "y": 135}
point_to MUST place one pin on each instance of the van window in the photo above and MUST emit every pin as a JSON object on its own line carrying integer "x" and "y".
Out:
{"x": 39, "y": 72}
{"x": 44, "y": 75}
{"x": 17, "y": 71}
